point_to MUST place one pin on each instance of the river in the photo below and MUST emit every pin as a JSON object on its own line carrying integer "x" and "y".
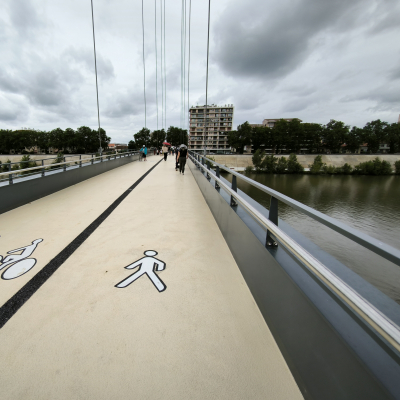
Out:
{"x": 370, "y": 204}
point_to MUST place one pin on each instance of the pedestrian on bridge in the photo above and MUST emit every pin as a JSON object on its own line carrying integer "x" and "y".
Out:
{"x": 165, "y": 152}
{"x": 182, "y": 157}
{"x": 143, "y": 150}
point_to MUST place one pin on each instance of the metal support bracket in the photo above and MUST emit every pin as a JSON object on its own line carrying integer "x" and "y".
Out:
{"x": 10, "y": 178}
{"x": 273, "y": 217}
{"x": 234, "y": 188}
{"x": 217, "y": 173}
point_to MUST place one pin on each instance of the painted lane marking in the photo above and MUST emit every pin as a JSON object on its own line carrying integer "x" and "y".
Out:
{"x": 147, "y": 265}
{"x": 12, "y": 305}
{"x": 19, "y": 264}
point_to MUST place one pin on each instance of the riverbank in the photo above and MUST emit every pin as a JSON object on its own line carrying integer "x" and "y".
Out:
{"x": 241, "y": 161}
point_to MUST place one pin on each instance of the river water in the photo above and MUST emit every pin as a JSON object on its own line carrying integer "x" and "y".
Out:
{"x": 370, "y": 204}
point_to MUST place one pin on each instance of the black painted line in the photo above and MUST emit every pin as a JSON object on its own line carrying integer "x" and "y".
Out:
{"x": 12, "y": 305}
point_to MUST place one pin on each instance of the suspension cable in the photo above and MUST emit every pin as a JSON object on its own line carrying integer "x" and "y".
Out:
{"x": 188, "y": 81}
{"x": 155, "y": 36}
{"x": 208, "y": 52}
{"x": 144, "y": 74}
{"x": 181, "y": 63}
{"x": 184, "y": 67}
{"x": 165, "y": 76}
{"x": 162, "y": 80}
{"x": 95, "y": 68}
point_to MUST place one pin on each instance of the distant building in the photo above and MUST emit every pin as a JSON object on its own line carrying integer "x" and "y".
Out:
{"x": 272, "y": 121}
{"x": 117, "y": 146}
{"x": 219, "y": 120}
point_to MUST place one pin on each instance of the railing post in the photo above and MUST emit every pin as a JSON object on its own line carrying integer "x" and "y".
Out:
{"x": 64, "y": 166}
{"x": 101, "y": 157}
{"x": 80, "y": 160}
{"x": 273, "y": 217}
{"x": 42, "y": 168}
{"x": 92, "y": 159}
{"x": 217, "y": 173}
{"x": 234, "y": 188}
{"x": 10, "y": 178}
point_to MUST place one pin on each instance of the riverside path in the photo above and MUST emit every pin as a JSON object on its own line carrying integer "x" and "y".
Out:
{"x": 188, "y": 328}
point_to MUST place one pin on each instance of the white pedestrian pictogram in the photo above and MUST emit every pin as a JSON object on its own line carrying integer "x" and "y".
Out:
{"x": 147, "y": 265}
{"x": 18, "y": 264}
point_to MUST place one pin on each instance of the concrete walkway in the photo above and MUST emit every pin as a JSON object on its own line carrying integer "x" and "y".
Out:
{"x": 81, "y": 337}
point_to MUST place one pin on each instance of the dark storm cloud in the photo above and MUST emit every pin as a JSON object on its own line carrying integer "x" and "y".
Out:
{"x": 268, "y": 40}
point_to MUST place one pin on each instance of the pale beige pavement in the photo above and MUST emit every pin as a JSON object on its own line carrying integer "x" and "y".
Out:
{"x": 80, "y": 337}
{"x": 60, "y": 217}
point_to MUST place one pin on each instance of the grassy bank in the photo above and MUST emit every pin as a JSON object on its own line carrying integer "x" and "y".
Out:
{"x": 270, "y": 164}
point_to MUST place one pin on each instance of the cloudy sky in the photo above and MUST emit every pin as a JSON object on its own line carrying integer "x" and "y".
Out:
{"x": 310, "y": 59}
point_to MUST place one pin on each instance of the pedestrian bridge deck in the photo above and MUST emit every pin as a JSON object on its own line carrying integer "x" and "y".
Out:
{"x": 79, "y": 336}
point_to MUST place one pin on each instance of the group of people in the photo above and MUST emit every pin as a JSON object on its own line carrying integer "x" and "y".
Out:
{"x": 181, "y": 155}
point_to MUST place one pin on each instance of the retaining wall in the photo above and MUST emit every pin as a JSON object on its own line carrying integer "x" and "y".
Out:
{"x": 337, "y": 160}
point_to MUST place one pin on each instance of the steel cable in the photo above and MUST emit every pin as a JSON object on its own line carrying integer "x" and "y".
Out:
{"x": 165, "y": 76}
{"x": 144, "y": 74}
{"x": 95, "y": 68}
{"x": 155, "y": 36}
{"x": 161, "y": 73}
{"x": 208, "y": 52}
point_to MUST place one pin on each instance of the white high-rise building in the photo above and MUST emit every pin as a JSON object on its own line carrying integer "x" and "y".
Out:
{"x": 219, "y": 120}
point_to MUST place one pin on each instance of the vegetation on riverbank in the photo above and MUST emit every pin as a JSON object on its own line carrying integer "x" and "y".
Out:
{"x": 273, "y": 165}
{"x": 334, "y": 137}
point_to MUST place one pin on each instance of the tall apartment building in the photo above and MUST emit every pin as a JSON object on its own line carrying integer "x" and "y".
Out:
{"x": 219, "y": 120}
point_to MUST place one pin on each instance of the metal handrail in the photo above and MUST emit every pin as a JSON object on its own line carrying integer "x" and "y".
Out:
{"x": 18, "y": 171}
{"x": 370, "y": 314}
{"x": 53, "y": 158}
{"x": 384, "y": 250}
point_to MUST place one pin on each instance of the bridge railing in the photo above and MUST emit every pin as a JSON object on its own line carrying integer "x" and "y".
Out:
{"x": 25, "y": 172}
{"x": 370, "y": 314}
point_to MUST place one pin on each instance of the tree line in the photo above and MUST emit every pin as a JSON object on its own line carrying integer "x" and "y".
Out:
{"x": 268, "y": 163}
{"x": 295, "y": 137}
{"x": 175, "y": 136}
{"x": 79, "y": 141}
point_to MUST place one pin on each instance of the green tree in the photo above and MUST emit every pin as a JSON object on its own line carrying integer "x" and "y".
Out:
{"x": 257, "y": 160}
{"x": 375, "y": 133}
{"x": 132, "y": 145}
{"x": 397, "y": 167}
{"x": 177, "y": 136}
{"x": 240, "y": 138}
{"x": 258, "y": 137}
{"x": 269, "y": 164}
{"x": 142, "y": 137}
{"x": 374, "y": 167}
{"x": 5, "y": 141}
{"x": 394, "y": 137}
{"x": 158, "y": 137}
{"x": 281, "y": 166}
{"x": 317, "y": 165}
{"x": 294, "y": 167}
{"x": 334, "y": 135}
{"x": 280, "y": 137}
{"x": 355, "y": 139}
{"x": 312, "y": 139}
{"x": 295, "y": 136}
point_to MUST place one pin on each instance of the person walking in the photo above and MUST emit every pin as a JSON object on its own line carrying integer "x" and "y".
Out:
{"x": 176, "y": 159}
{"x": 144, "y": 152}
{"x": 182, "y": 157}
{"x": 165, "y": 151}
